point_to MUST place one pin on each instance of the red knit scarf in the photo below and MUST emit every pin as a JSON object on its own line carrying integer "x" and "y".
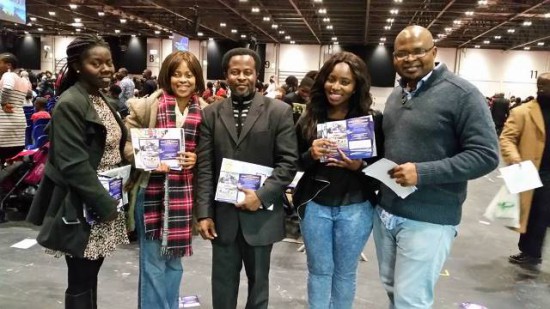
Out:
{"x": 169, "y": 198}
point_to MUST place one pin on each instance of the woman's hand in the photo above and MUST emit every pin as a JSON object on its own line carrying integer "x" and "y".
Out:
{"x": 187, "y": 160}
{"x": 162, "y": 169}
{"x": 322, "y": 147}
{"x": 345, "y": 162}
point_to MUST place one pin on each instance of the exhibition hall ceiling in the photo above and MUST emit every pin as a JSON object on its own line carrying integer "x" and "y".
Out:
{"x": 499, "y": 24}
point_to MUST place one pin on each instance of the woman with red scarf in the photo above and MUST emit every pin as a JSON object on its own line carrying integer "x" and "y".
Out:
{"x": 164, "y": 199}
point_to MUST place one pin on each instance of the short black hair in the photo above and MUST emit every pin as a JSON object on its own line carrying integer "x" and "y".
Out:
{"x": 240, "y": 52}
{"x": 9, "y": 58}
{"x": 307, "y": 82}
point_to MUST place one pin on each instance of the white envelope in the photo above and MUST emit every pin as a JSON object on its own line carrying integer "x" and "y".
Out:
{"x": 521, "y": 177}
{"x": 379, "y": 170}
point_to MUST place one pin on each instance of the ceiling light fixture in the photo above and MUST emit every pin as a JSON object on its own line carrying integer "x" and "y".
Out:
{"x": 477, "y": 46}
{"x": 511, "y": 30}
{"x": 77, "y": 25}
{"x": 547, "y": 15}
{"x": 326, "y": 20}
{"x": 318, "y": 1}
{"x": 281, "y": 32}
{"x": 123, "y": 20}
{"x": 267, "y": 18}
{"x": 100, "y": 13}
{"x": 274, "y": 26}
{"x": 157, "y": 31}
{"x": 329, "y": 27}
{"x": 234, "y": 31}
{"x": 222, "y": 25}
{"x": 52, "y": 13}
{"x": 527, "y": 23}
{"x": 540, "y": 43}
{"x": 486, "y": 42}
{"x": 448, "y": 29}
{"x": 383, "y": 39}
{"x": 498, "y": 37}
{"x": 287, "y": 37}
{"x": 482, "y": 2}
{"x": 200, "y": 34}
{"x": 398, "y": 1}
{"x": 387, "y": 27}
{"x": 336, "y": 43}
{"x": 255, "y": 9}
{"x": 32, "y": 18}
{"x": 292, "y": 42}
{"x": 457, "y": 22}
{"x": 243, "y": 36}
{"x": 73, "y": 6}
{"x": 322, "y": 11}
{"x": 40, "y": 29}
{"x": 527, "y": 48}
{"x": 394, "y": 11}
{"x": 390, "y": 20}
{"x": 77, "y": 20}
{"x": 78, "y": 29}
{"x": 118, "y": 31}
{"x": 381, "y": 44}
{"x": 469, "y": 13}
{"x": 334, "y": 38}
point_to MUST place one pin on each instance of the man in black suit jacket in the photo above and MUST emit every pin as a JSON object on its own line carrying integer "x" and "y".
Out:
{"x": 500, "y": 109}
{"x": 252, "y": 128}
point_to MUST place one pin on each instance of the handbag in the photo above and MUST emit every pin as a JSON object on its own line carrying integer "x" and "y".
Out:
{"x": 65, "y": 234}
{"x": 62, "y": 230}
{"x": 504, "y": 208}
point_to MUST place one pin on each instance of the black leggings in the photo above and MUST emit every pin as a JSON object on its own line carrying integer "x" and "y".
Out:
{"x": 82, "y": 274}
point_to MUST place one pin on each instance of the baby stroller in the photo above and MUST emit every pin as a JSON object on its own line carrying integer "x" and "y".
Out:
{"x": 19, "y": 181}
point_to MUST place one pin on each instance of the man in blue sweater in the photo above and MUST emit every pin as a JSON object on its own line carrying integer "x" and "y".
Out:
{"x": 438, "y": 129}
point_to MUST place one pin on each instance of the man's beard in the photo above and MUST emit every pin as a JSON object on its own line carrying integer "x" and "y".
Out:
{"x": 543, "y": 99}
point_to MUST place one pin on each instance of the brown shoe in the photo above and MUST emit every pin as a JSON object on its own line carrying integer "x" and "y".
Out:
{"x": 524, "y": 259}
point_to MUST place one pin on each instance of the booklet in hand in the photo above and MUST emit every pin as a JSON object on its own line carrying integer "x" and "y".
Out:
{"x": 354, "y": 136}
{"x": 153, "y": 146}
{"x": 236, "y": 174}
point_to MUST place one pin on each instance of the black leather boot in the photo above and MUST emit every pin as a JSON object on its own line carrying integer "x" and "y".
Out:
{"x": 79, "y": 301}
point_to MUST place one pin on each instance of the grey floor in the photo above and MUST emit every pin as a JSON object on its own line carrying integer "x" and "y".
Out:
{"x": 477, "y": 270}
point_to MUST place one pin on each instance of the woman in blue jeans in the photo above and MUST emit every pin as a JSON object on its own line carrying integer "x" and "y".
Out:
{"x": 163, "y": 207}
{"x": 335, "y": 199}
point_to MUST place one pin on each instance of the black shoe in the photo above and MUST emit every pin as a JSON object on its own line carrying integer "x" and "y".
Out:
{"x": 79, "y": 301}
{"x": 524, "y": 259}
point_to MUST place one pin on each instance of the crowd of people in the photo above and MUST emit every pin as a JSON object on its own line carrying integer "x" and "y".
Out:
{"x": 436, "y": 127}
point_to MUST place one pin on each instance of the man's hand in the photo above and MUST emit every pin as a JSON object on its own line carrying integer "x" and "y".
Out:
{"x": 207, "y": 229}
{"x": 352, "y": 165}
{"x": 251, "y": 201}
{"x": 7, "y": 108}
{"x": 187, "y": 160}
{"x": 322, "y": 147}
{"x": 405, "y": 174}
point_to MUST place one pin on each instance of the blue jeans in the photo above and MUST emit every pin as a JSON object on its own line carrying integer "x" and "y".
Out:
{"x": 334, "y": 238}
{"x": 410, "y": 258}
{"x": 159, "y": 276}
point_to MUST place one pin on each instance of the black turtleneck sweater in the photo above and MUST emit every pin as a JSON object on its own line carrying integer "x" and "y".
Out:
{"x": 241, "y": 106}
{"x": 545, "y": 108}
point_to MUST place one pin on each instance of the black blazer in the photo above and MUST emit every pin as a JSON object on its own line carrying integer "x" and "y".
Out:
{"x": 268, "y": 139}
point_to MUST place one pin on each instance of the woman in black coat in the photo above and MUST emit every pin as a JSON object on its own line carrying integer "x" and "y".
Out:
{"x": 80, "y": 220}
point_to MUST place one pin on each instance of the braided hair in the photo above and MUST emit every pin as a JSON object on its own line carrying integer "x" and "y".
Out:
{"x": 75, "y": 52}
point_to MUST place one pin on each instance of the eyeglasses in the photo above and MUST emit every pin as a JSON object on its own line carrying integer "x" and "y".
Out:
{"x": 416, "y": 53}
